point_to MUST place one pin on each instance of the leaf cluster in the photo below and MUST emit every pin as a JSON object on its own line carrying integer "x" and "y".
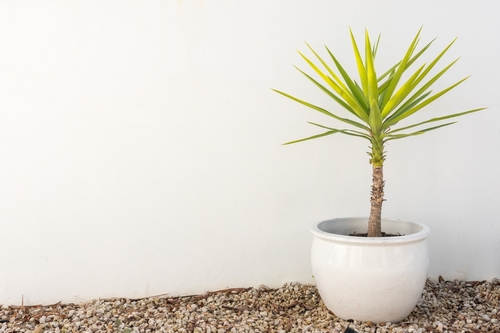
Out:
{"x": 376, "y": 104}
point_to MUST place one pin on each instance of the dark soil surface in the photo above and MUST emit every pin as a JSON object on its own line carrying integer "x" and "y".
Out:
{"x": 365, "y": 234}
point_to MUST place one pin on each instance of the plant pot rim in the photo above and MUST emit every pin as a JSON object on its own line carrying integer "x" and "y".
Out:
{"x": 327, "y": 230}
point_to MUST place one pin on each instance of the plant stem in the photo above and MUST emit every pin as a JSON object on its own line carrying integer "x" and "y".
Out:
{"x": 376, "y": 200}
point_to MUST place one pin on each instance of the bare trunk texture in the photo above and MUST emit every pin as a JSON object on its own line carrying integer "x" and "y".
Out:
{"x": 376, "y": 200}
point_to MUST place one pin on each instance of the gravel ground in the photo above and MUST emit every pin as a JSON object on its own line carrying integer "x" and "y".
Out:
{"x": 446, "y": 306}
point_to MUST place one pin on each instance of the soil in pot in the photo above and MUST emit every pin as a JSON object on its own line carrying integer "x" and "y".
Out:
{"x": 365, "y": 234}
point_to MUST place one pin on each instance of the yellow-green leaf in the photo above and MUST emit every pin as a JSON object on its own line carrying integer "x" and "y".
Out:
{"x": 400, "y": 70}
{"x": 375, "y": 119}
{"x": 361, "y": 67}
{"x": 371, "y": 76}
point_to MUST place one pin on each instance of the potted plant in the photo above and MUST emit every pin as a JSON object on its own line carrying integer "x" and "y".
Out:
{"x": 379, "y": 277}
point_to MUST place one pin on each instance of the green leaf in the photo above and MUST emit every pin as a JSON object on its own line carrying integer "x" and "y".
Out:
{"x": 312, "y": 137}
{"x": 375, "y": 119}
{"x": 392, "y": 70}
{"x": 329, "y": 93}
{"x": 434, "y": 62}
{"x": 404, "y": 108}
{"x": 371, "y": 76}
{"x": 353, "y": 86}
{"x": 375, "y": 47}
{"x": 361, "y": 67}
{"x": 438, "y": 119}
{"x": 399, "y": 72}
{"x": 401, "y": 94}
{"x": 345, "y": 131}
{"x": 317, "y": 108}
{"x": 402, "y": 136}
{"x": 332, "y": 73}
{"x": 329, "y": 132}
{"x": 416, "y": 96}
{"x": 344, "y": 94}
{"x": 426, "y": 102}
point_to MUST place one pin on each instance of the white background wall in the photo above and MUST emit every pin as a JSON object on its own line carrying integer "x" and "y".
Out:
{"x": 140, "y": 144}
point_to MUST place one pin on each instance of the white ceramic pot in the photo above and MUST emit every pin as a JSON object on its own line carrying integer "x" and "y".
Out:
{"x": 377, "y": 279}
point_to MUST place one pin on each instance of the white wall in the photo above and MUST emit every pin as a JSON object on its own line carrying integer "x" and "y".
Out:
{"x": 140, "y": 144}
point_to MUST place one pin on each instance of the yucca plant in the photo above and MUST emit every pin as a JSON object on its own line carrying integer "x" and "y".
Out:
{"x": 377, "y": 104}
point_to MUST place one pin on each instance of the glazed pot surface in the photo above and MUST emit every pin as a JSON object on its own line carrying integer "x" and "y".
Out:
{"x": 377, "y": 279}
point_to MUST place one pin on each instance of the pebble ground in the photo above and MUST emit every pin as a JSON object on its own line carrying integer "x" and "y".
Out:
{"x": 446, "y": 306}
